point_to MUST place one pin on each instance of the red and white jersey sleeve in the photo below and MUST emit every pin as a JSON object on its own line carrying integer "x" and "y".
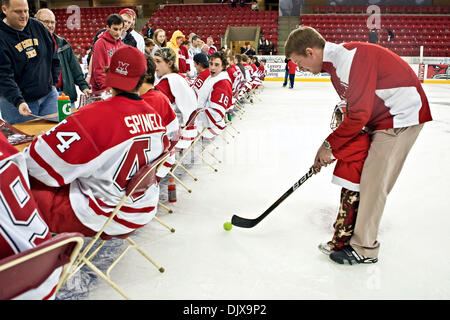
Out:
{"x": 183, "y": 101}
{"x": 248, "y": 72}
{"x": 159, "y": 101}
{"x": 96, "y": 151}
{"x": 21, "y": 226}
{"x": 215, "y": 97}
{"x": 381, "y": 89}
{"x": 199, "y": 80}
{"x": 350, "y": 161}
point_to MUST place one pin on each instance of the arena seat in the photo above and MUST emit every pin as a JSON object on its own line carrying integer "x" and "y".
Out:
{"x": 411, "y": 30}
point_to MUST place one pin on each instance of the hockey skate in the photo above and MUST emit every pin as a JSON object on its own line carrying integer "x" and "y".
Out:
{"x": 348, "y": 255}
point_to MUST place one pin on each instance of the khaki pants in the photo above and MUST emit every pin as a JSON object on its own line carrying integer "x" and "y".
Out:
{"x": 387, "y": 154}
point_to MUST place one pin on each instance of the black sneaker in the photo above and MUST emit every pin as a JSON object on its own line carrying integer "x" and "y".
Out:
{"x": 348, "y": 255}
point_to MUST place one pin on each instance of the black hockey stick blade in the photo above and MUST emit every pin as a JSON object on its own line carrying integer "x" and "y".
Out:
{"x": 250, "y": 223}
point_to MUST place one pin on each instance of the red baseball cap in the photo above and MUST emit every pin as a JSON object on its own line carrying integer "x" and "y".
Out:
{"x": 128, "y": 11}
{"x": 128, "y": 65}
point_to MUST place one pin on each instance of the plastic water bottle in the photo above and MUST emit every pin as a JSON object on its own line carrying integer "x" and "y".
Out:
{"x": 172, "y": 191}
{"x": 64, "y": 107}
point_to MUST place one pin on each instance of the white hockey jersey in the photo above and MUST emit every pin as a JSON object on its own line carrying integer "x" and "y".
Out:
{"x": 215, "y": 97}
{"x": 184, "y": 102}
{"x": 97, "y": 150}
{"x": 21, "y": 226}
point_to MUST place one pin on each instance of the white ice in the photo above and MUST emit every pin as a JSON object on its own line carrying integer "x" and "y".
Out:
{"x": 279, "y": 259}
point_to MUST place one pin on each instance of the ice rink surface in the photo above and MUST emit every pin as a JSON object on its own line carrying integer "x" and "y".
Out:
{"x": 278, "y": 259}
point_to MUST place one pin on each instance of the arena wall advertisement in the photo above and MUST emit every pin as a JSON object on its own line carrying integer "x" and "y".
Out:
{"x": 437, "y": 70}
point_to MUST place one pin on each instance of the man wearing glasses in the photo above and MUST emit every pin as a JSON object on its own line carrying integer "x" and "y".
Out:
{"x": 71, "y": 74}
{"x": 29, "y": 65}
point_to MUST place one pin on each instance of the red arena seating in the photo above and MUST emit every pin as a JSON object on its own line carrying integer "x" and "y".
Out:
{"x": 213, "y": 19}
{"x": 92, "y": 20}
{"x": 411, "y": 31}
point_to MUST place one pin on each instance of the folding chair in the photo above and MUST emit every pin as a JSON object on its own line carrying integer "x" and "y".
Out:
{"x": 28, "y": 269}
{"x": 185, "y": 145}
{"x": 140, "y": 182}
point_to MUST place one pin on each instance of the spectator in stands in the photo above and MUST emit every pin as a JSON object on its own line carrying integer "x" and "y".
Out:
{"x": 263, "y": 45}
{"x": 212, "y": 47}
{"x": 127, "y": 37}
{"x": 29, "y": 65}
{"x": 242, "y": 3}
{"x": 77, "y": 181}
{"x": 159, "y": 37}
{"x": 249, "y": 51}
{"x": 78, "y": 51}
{"x": 255, "y": 6}
{"x": 390, "y": 35}
{"x": 149, "y": 46}
{"x": 108, "y": 42}
{"x": 140, "y": 44}
{"x": 373, "y": 36}
{"x": 175, "y": 42}
{"x": 85, "y": 62}
{"x": 148, "y": 31}
{"x": 194, "y": 46}
{"x": 233, "y": 3}
{"x": 71, "y": 74}
{"x": 271, "y": 49}
{"x": 205, "y": 49}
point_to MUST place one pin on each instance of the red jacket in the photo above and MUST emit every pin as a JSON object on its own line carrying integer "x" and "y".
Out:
{"x": 104, "y": 49}
{"x": 381, "y": 89}
{"x": 183, "y": 55}
{"x": 292, "y": 66}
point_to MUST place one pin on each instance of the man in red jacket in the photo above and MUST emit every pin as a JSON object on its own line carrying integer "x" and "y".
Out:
{"x": 384, "y": 96}
{"x": 108, "y": 42}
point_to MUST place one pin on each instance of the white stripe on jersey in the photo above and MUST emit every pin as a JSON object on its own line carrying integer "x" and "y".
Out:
{"x": 404, "y": 104}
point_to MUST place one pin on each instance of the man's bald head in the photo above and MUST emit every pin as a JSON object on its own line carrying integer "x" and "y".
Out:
{"x": 47, "y": 18}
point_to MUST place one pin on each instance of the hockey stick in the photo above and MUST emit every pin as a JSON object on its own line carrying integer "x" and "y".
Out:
{"x": 250, "y": 223}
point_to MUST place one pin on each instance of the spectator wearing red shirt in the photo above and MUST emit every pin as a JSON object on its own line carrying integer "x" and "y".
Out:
{"x": 292, "y": 67}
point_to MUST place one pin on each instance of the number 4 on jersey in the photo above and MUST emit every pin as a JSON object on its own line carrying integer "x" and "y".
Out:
{"x": 66, "y": 139}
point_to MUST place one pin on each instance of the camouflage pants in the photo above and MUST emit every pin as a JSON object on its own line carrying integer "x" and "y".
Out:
{"x": 346, "y": 218}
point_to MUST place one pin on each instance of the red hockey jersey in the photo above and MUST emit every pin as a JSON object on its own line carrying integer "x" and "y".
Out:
{"x": 199, "y": 80}
{"x": 381, "y": 89}
{"x": 96, "y": 150}
{"x": 21, "y": 226}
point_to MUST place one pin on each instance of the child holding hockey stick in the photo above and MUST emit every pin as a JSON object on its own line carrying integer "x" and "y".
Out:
{"x": 347, "y": 174}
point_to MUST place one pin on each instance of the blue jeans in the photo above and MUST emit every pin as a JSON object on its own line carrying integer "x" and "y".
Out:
{"x": 41, "y": 107}
{"x": 291, "y": 80}
{"x": 286, "y": 74}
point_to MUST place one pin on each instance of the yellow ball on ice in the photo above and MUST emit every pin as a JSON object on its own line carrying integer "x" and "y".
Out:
{"x": 227, "y": 226}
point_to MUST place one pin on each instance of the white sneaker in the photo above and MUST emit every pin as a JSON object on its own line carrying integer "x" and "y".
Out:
{"x": 325, "y": 248}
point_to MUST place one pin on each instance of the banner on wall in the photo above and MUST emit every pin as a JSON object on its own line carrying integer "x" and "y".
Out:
{"x": 438, "y": 71}
{"x": 275, "y": 70}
